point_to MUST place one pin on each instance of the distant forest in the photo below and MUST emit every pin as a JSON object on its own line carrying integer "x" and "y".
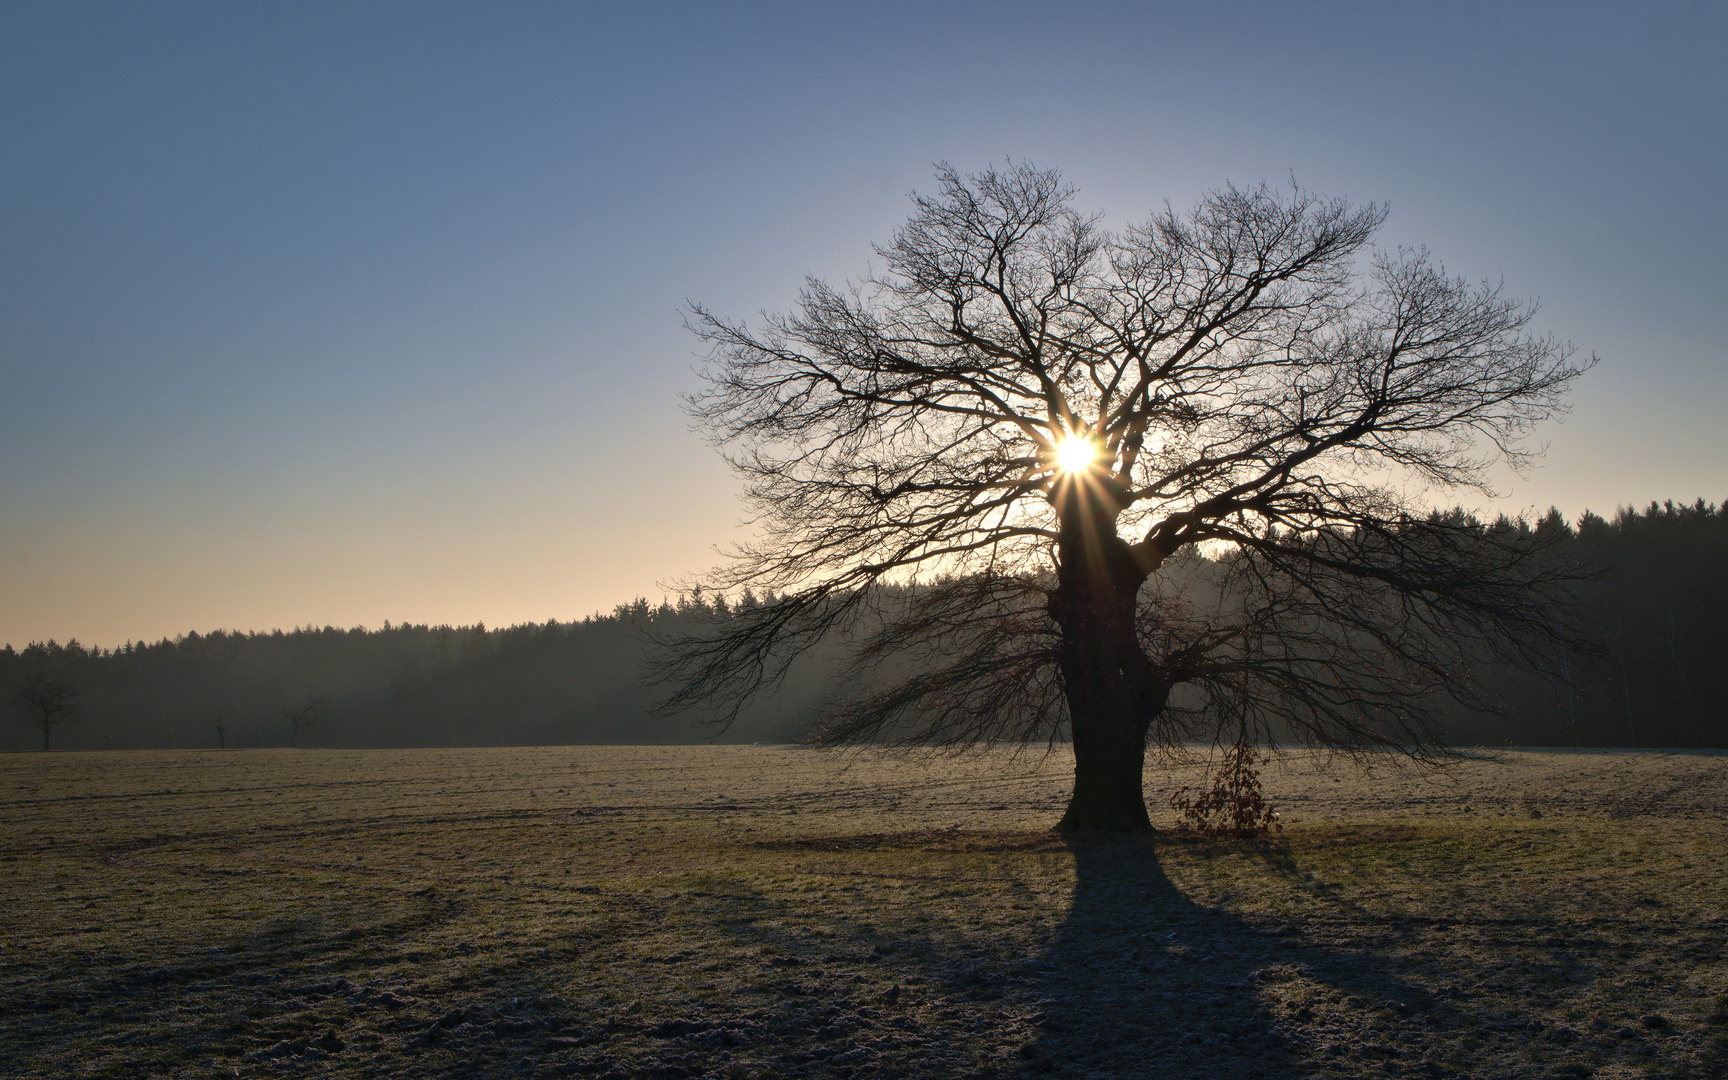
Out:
{"x": 1657, "y": 607}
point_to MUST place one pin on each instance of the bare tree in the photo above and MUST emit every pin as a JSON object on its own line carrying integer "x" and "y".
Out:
{"x": 304, "y": 716}
{"x": 220, "y": 723}
{"x": 45, "y": 703}
{"x": 1042, "y": 422}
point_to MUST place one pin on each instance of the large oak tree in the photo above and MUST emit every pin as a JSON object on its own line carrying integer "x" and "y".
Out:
{"x": 1151, "y": 485}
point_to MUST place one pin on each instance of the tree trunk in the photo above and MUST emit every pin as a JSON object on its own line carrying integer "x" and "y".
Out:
{"x": 1105, "y": 674}
{"x": 47, "y": 729}
{"x": 1109, "y": 763}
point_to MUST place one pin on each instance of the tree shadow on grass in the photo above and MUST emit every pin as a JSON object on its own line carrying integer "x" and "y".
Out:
{"x": 1137, "y": 980}
{"x": 1142, "y": 981}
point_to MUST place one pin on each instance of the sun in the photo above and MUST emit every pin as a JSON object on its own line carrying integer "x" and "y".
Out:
{"x": 1076, "y": 453}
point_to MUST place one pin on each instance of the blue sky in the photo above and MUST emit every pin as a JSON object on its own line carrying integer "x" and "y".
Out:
{"x": 338, "y": 313}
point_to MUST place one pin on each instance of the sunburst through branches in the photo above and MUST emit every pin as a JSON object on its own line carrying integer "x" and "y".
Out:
{"x": 1076, "y": 454}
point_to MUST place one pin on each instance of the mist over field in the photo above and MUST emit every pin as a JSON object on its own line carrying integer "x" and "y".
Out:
{"x": 1655, "y": 608}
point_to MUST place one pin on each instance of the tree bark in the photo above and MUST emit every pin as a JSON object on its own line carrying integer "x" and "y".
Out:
{"x": 1106, "y": 677}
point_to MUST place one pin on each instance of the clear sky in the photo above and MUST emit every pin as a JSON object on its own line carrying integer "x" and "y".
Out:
{"x": 335, "y": 313}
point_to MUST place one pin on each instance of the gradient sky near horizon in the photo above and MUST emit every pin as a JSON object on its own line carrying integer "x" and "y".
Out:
{"x": 334, "y": 313}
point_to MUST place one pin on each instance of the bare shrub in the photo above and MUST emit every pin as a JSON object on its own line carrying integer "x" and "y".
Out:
{"x": 1235, "y": 805}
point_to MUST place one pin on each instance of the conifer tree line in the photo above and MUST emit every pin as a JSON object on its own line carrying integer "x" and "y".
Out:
{"x": 1657, "y": 611}
{"x": 403, "y": 685}
{"x": 1656, "y": 608}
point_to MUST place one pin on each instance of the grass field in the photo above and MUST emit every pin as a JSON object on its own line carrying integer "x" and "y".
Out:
{"x": 769, "y": 911}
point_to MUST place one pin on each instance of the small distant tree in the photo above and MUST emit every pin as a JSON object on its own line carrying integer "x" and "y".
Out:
{"x": 304, "y": 716}
{"x": 219, "y": 722}
{"x": 45, "y": 703}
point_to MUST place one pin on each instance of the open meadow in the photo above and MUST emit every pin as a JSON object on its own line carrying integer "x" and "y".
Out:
{"x": 773, "y": 911}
